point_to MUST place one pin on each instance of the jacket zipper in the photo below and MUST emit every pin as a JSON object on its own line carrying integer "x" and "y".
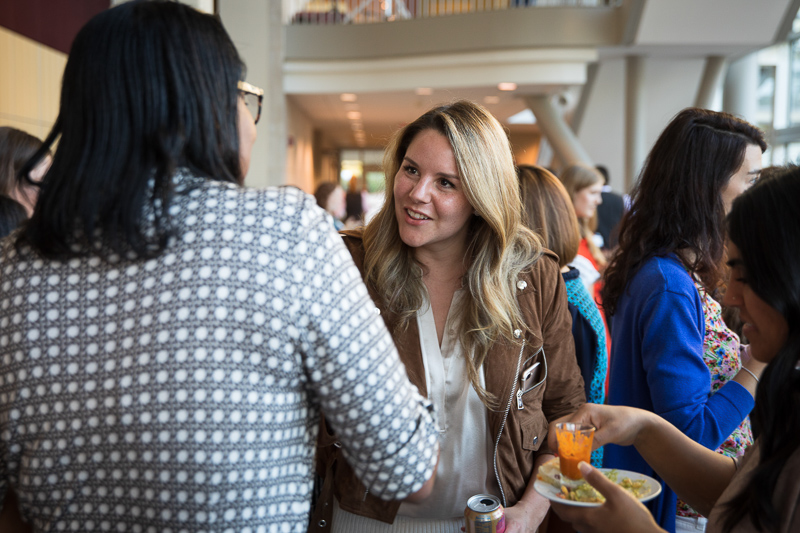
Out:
{"x": 503, "y": 425}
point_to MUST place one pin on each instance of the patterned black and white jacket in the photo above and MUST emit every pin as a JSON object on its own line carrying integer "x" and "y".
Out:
{"x": 182, "y": 393}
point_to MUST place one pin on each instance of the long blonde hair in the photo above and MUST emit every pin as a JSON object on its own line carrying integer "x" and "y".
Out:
{"x": 575, "y": 178}
{"x": 499, "y": 246}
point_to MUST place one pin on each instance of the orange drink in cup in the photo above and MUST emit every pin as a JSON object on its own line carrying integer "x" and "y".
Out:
{"x": 574, "y": 446}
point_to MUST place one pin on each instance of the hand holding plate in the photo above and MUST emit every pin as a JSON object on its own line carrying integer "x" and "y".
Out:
{"x": 621, "y": 513}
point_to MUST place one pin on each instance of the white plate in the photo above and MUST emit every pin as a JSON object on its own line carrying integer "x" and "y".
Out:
{"x": 551, "y": 493}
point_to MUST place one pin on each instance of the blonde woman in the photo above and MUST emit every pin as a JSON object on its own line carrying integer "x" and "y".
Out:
{"x": 585, "y": 185}
{"x": 479, "y": 313}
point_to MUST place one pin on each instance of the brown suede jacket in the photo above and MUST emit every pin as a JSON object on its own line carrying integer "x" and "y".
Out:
{"x": 519, "y": 428}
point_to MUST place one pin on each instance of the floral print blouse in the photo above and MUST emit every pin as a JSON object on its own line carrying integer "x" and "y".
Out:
{"x": 721, "y": 355}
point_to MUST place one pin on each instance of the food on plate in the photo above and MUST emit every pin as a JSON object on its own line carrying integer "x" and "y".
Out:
{"x": 581, "y": 491}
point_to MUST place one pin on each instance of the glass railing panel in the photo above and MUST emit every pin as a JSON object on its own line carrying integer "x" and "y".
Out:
{"x": 372, "y": 11}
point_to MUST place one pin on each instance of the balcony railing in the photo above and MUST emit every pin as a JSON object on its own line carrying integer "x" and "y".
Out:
{"x": 371, "y": 11}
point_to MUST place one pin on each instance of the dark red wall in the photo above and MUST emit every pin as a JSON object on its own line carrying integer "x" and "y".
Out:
{"x": 51, "y": 22}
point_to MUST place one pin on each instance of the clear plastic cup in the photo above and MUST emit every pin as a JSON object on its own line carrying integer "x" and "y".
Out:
{"x": 574, "y": 446}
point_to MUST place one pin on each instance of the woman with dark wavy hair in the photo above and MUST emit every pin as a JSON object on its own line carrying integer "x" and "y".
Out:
{"x": 762, "y": 491}
{"x": 671, "y": 352}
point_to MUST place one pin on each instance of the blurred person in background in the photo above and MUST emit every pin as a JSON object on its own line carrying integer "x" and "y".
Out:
{"x": 609, "y": 214}
{"x": 584, "y": 185}
{"x": 331, "y": 197}
{"x": 354, "y": 204}
{"x": 19, "y": 176}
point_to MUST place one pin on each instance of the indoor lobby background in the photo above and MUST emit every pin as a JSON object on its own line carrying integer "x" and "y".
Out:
{"x": 571, "y": 80}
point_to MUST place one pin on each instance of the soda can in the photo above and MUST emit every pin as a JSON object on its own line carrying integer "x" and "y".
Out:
{"x": 484, "y": 514}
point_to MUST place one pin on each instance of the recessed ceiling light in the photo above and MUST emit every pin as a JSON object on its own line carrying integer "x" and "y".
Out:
{"x": 424, "y": 91}
{"x": 348, "y": 97}
{"x": 491, "y": 100}
{"x": 354, "y": 115}
{"x": 507, "y": 86}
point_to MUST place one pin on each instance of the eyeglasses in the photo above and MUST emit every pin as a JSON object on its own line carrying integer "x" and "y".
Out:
{"x": 253, "y": 96}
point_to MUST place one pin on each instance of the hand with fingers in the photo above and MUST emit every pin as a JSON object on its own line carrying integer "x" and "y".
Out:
{"x": 621, "y": 513}
{"x": 615, "y": 424}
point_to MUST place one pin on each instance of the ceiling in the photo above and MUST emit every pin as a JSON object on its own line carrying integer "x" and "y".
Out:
{"x": 631, "y": 30}
{"x": 382, "y": 113}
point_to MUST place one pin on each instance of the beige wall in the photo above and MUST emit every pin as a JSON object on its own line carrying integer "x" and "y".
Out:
{"x": 525, "y": 146}
{"x": 310, "y": 158}
{"x": 256, "y": 29}
{"x": 299, "y": 150}
{"x": 30, "y": 83}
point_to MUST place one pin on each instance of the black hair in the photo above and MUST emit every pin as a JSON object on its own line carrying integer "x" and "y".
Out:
{"x": 604, "y": 172}
{"x": 354, "y": 206}
{"x": 676, "y": 203}
{"x": 764, "y": 226}
{"x": 12, "y": 214}
{"x": 16, "y": 149}
{"x": 150, "y": 87}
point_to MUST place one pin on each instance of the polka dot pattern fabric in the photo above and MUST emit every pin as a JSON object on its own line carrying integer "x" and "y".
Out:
{"x": 182, "y": 393}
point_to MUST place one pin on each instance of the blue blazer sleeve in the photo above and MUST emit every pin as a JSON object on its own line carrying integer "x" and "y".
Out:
{"x": 672, "y": 330}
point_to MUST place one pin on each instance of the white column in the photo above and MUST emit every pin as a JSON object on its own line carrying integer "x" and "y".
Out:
{"x": 713, "y": 73}
{"x": 563, "y": 140}
{"x": 257, "y": 31}
{"x": 634, "y": 118}
{"x": 740, "y": 96}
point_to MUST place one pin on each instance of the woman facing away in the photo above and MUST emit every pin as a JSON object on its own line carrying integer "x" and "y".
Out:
{"x": 584, "y": 184}
{"x": 168, "y": 337}
{"x": 479, "y": 314}
{"x": 19, "y": 176}
{"x": 672, "y": 354}
{"x": 548, "y": 211}
{"x": 760, "y": 492}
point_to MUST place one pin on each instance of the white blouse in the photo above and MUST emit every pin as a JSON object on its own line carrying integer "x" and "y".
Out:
{"x": 466, "y": 448}
{"x": 465, "y": 456}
